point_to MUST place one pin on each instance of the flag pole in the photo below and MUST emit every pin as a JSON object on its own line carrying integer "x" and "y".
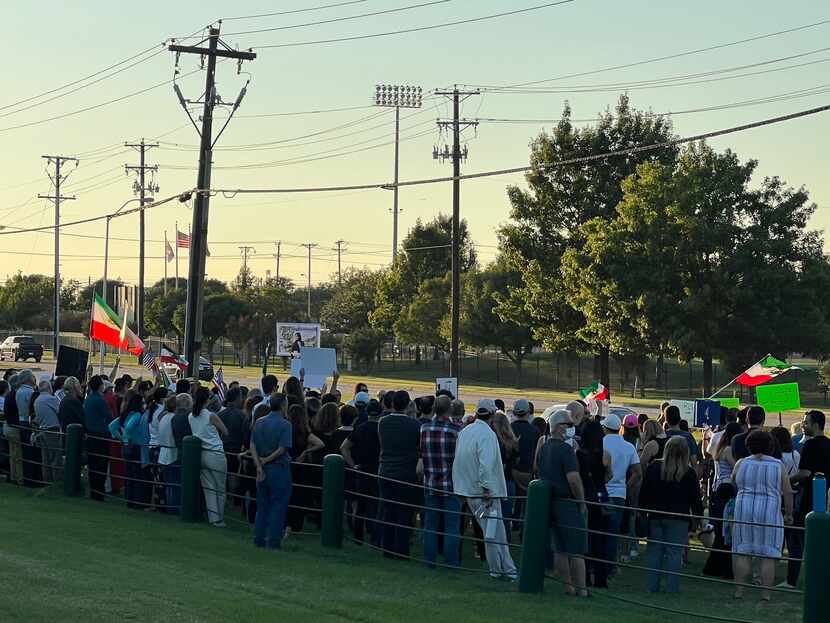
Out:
{"x": 736, "y": 378}
{"x": 177, "y": 255}
{"x": 165, "y": 262}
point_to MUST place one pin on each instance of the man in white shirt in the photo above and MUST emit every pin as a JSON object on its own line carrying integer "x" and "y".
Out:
{"x": 625, "y": 481}
{"x": 478, "y": 476}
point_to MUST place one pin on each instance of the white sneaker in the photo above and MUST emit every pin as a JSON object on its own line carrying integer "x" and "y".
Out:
{"x": 786, "y": 585}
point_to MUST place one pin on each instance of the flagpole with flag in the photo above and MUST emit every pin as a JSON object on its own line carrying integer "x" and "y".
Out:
{"x": 177, "y": 255}
{"x": 762, "y": 371}
{"x": 165, "y": 261}
{"x": 737, "y": 377}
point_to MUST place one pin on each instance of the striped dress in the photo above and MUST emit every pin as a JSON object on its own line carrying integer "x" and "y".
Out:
{"x": 758, "y": 501}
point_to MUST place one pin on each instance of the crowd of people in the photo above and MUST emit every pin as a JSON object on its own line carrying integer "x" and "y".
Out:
{"x": 426, "y": 461}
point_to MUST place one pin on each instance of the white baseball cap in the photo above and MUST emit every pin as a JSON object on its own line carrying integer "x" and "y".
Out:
{"x": 611, "y": 422}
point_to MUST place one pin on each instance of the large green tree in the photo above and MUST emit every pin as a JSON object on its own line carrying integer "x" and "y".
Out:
{"x": 425, "y": 253}
{"x": 481, "y": 323}
{"x": 546, "y": 218}
{"x": 425, "y": 320}
{"x": 27, "y": 302}
{"x": 696, "y": 263}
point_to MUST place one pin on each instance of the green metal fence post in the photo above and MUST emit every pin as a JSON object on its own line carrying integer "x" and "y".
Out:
{"x": 72, "y": 463}
{"x": 191, "y": 466}
{"x": 331, "y": 534}
{"x": 537, "y": 526}
{"x": 816, "y": 578}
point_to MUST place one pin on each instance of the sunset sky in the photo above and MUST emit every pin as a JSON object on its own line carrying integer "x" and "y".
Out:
{"x": 56, "y": 43}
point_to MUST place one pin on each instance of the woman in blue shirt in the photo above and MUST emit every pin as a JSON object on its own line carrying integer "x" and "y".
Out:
{"x": 132, "y": 429}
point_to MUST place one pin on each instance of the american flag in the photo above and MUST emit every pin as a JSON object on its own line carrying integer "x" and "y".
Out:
{"x": 219, "y": 383}
{"x": 148, "y": 360}
{"x": 182, "y": 240}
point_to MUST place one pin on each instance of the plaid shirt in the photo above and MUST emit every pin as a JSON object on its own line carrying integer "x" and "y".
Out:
{"x": 438, "y": 439}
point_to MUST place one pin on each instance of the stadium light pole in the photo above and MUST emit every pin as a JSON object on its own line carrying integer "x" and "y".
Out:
{"x": 106, "y": 262}
{"x": 397, "y": 96}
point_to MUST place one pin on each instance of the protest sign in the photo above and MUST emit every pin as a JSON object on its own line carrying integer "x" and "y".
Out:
{"x": 730, "y": 403}
{"x": 687, "y": 410}
{"x": 318, "y": 363}
{"x": 292, "y": 336}
{"x": 778, "y": 397}
{"x": 707, "y": 413}
{"x": 450, "y": 384}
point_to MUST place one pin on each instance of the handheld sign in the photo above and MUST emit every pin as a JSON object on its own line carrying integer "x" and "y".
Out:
{"x": 778, "y": 397}
{"x": 707, "y": 413}
{"x": 319, "y": 363}
{"x": 730, "y": 403}
{"x": 687, "y": 410}
{"x": 450, "y": 384}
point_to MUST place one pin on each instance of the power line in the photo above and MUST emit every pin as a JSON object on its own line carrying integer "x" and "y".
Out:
{"x": 417, "y": 29}
{"x": 640, "y": 87}
{"x": 292, "y": 11}
{"x": 334, "y": 152}
{"x": 667, "y": 57}
{"x": 303, "y": 112}
{"x": 781, "y": 97}
{"x": 339, "y": 19}
{"x": 230, "y": 193}
{"x": 254, "y": 146}
{"x": 92, "y": 75}
{"x": 95, "y": 106}
{"x": 81, "y": 87}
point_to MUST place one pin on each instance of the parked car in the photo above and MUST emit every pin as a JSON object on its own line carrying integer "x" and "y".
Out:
{"x": 20, "y": 348}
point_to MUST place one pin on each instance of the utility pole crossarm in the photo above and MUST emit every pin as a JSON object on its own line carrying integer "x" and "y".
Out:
{"x": 57, "y": 180}
{"x": 192, "y": 49}
{"x": 141, "y": 187}
{"x": 201, "y": 205}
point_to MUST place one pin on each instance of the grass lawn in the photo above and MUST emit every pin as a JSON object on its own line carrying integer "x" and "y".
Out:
{"x": 76, "y": 560}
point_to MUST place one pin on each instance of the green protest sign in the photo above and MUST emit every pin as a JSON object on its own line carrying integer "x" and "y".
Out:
{"x": 778, "y": 397}
{"x": 730, "y": 403}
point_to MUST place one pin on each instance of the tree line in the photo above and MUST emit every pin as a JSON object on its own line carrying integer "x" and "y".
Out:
{"x": 661, "y": 252}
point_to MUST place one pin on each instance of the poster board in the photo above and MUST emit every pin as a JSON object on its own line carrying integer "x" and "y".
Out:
{"x": 730, "y": 403}
{"x": 318, "y": 363}
{"x": 448, "y": 383}
{"x": 778, "y": 397}
{"x": 687, "y": 410}
{"x": 286, "y": 337}
{"x": 707, "y": 413}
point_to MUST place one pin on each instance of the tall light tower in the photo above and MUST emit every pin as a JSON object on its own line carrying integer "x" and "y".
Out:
{"x": 397, "y": 96}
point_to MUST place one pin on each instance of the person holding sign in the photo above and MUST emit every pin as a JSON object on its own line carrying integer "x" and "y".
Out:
{"x": 674, "y": 430}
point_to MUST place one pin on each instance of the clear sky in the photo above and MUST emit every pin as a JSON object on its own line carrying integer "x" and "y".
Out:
{"x": 59, "y": 42}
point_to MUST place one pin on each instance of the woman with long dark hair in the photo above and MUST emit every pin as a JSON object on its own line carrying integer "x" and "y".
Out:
{"x": 127, "y": 429}
{"x": 595, "y": 471}
{"x": 292, "y": 387}
{"x": 207, "y": 426}
{"x": 153, "y": 414}
{"x": 304, "y": 444}
{"x": 719, "y": 562}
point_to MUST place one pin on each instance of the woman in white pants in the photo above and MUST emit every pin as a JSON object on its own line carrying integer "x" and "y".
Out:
{"x": 207, "y": 426}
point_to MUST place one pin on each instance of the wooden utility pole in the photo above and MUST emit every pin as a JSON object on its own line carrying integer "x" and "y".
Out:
{"x": 198, "y": 243}
{"x": 456, "y": 156}
{"x": 57, "y": 179}
{"x": 339, "y": 249}
{"x": 141, "y": 188}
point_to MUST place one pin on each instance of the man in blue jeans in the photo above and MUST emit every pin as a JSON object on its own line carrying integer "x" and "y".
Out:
{"x": 270, "y": 443}
{"x": 438, "y": 438}
{"x": 624, "y": 483}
